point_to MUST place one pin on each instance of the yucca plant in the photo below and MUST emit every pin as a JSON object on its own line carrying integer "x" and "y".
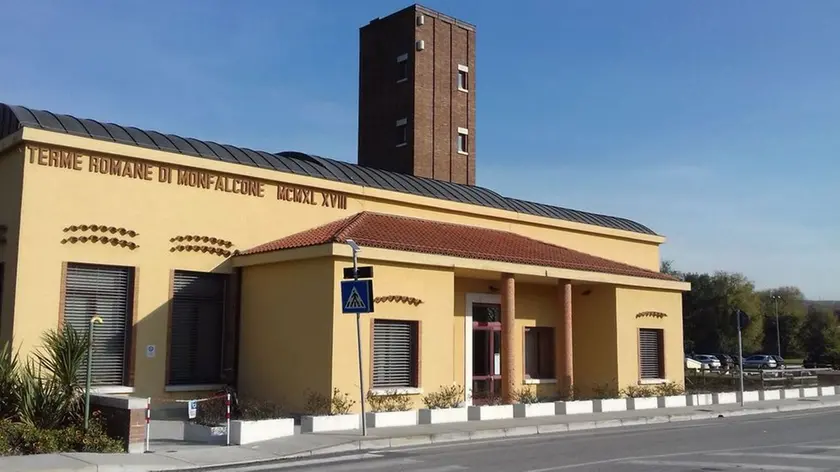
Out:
{"x": 63, "y": 356}
{"x": 8, "y": 382}
{"x": 42, "y": 401}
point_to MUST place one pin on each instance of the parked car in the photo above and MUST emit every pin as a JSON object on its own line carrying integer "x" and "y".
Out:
{"x": 709, "y": 361}
{"x": 825, "y": 361}
{"x": 760, "y": 361}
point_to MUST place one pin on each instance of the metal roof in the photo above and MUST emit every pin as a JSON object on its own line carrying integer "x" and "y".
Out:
{"x": 13, "y": 118}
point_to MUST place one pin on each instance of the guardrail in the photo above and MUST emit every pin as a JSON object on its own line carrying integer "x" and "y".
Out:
{"x": 713, "y": 380}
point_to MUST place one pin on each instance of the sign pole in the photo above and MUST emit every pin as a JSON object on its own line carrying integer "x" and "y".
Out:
{"x": 359, "y": 344}
{"x": 740, "y": 356}
{"x": 88, "y": 368}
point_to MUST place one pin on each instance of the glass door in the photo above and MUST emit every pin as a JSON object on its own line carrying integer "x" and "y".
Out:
{"x": 487, "y": 350}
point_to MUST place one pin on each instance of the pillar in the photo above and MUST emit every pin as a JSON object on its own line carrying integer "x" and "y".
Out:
{"x": 563, "y": 339}
{"x": 511, "y": 364}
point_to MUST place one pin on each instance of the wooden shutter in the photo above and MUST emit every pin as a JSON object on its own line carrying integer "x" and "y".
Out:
{"x": 394, "y": 354}
{"x": 195, "y": 348}
{"x": 650, "y": 354}
{"x": 104, "y": 291}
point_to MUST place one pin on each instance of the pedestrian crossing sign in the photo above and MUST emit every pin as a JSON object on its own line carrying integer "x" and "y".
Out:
{"x": 357, "y": 296}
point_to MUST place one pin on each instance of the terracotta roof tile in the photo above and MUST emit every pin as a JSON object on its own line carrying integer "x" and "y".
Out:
{"x": 409, "y": 234}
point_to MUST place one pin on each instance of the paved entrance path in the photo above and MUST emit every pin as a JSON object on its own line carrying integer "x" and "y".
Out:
{"x": 170, "y": 453}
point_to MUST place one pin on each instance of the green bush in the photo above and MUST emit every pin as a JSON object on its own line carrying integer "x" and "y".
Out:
{"x": 669, "y": 389}
{"x": 8, "y": 383}
{"x": 388, "y": 401}
{"x": 320, "y": 405}
{"x": 639, "y": 391}
{"x": 24, "y": 439}
{"x": 213, "y": 412}
{"x": 526, "y": 395}
{"x": 447, "y": 397}
{"x": 41, "y": 400}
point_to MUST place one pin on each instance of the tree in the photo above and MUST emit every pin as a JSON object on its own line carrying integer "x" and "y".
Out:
{"x": 819, "y": 332}
{"x": 708, "y": 312}
{"x": 667, "y": 267}
{"x": 792, "y": 309}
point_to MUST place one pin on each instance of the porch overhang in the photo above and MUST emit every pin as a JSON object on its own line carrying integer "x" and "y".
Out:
{"x": 372, "y": 255}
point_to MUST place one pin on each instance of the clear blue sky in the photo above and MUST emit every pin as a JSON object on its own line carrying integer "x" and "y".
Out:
{"x": 717, "y": 124}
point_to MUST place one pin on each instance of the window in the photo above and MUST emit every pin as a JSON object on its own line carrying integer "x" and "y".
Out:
{"x": 195, "y": 339}
{"x": 651, "y": 354}
{"x": 107, "y": 292}
{"x": 402, "y": 68}
{"x": 395, "y": 354}
{"x": 402, "y": 132}
{"x": 463, "y": 78}
{"x": 539, "y": 353}
{"x": 463, "y": 144}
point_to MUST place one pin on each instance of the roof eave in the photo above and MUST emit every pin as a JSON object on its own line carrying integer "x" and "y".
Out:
{"x": 450, "y": 262}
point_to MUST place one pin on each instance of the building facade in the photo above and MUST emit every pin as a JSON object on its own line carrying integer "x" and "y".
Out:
{"x": 213, "y": 265}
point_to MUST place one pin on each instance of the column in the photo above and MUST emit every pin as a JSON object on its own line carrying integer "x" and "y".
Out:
{"x": 511, "y": 380}
{"x": 563, "y": 339}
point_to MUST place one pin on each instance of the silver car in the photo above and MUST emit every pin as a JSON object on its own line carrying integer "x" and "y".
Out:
{"x": 760, "y": 361}
{"x": 709, "y": 361}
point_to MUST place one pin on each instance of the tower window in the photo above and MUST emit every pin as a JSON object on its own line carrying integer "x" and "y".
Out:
{"x": 402, "y": 132}
{"x": 463, "y": 78}
{"x": 402, "y": 68}
{"x": 463, "y": 141}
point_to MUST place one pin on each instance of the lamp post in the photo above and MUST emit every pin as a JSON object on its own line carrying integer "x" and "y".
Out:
{"x": 95, "y": 319}
{"x": 355, "y": 247}
{"x": 776, "y": 299}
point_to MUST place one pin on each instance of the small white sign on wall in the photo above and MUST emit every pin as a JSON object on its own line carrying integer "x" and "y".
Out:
{"x": 151, "y": 350}
{"x": 192, "y": 408}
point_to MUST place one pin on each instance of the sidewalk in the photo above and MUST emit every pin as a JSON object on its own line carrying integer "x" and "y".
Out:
{"x": 170, "y": 455}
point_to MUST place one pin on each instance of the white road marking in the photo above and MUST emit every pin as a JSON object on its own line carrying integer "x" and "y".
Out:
{"x": 676, "y": 454}
{"x": 821, "y": 447}
{"x": 718, "y": 465}
{"x": 779, "y": 455}
{"x": 443, "y": 468}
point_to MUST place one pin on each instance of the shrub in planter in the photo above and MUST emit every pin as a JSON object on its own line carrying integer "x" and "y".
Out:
{"x": 451, "y": 396}
{"x": 444, "y": 406}
{"x": 528, "y": 404}
{"x": 389, "y": 401}
{"x": 639, "y": 391}
{"x": 339, "y": 403}
{"x": 669, "y": 389}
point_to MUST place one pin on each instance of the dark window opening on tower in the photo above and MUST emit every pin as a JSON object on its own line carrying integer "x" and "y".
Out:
{"x": 402, "y": 68}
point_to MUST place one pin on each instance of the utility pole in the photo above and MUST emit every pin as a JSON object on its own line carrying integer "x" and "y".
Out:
{"x": 776, "y": 299}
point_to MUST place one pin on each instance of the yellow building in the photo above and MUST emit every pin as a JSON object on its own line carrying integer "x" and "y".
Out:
{"x": 212, "y": 264}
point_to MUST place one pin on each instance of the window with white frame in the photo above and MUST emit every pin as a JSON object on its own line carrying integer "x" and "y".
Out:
{"x": 463, "y": 78}
{"x": 395, "y": 354}
{"x": 402, "y": 68}
{"x": 463, "y": 141}
{"x": 539, "y": 352}
{"x": 651, "y": 354}
{"x": 402, "y": 132}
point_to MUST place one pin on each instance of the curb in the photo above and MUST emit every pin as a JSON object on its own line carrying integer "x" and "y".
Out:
{"x": 367, "y": 446}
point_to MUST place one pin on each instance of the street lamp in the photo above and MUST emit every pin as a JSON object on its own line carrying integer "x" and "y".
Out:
{"x": 776, "y": 299}
{"x": 355, "y": 247}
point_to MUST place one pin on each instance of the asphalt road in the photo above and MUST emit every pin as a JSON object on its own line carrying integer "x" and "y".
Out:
{"x": 797, "y": 441}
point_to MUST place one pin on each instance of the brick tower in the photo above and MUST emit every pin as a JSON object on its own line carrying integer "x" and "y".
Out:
{"x": 417, "y": 95}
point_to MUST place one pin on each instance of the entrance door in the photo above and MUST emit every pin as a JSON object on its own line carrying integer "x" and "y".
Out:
{"x": 487, "y": 349}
